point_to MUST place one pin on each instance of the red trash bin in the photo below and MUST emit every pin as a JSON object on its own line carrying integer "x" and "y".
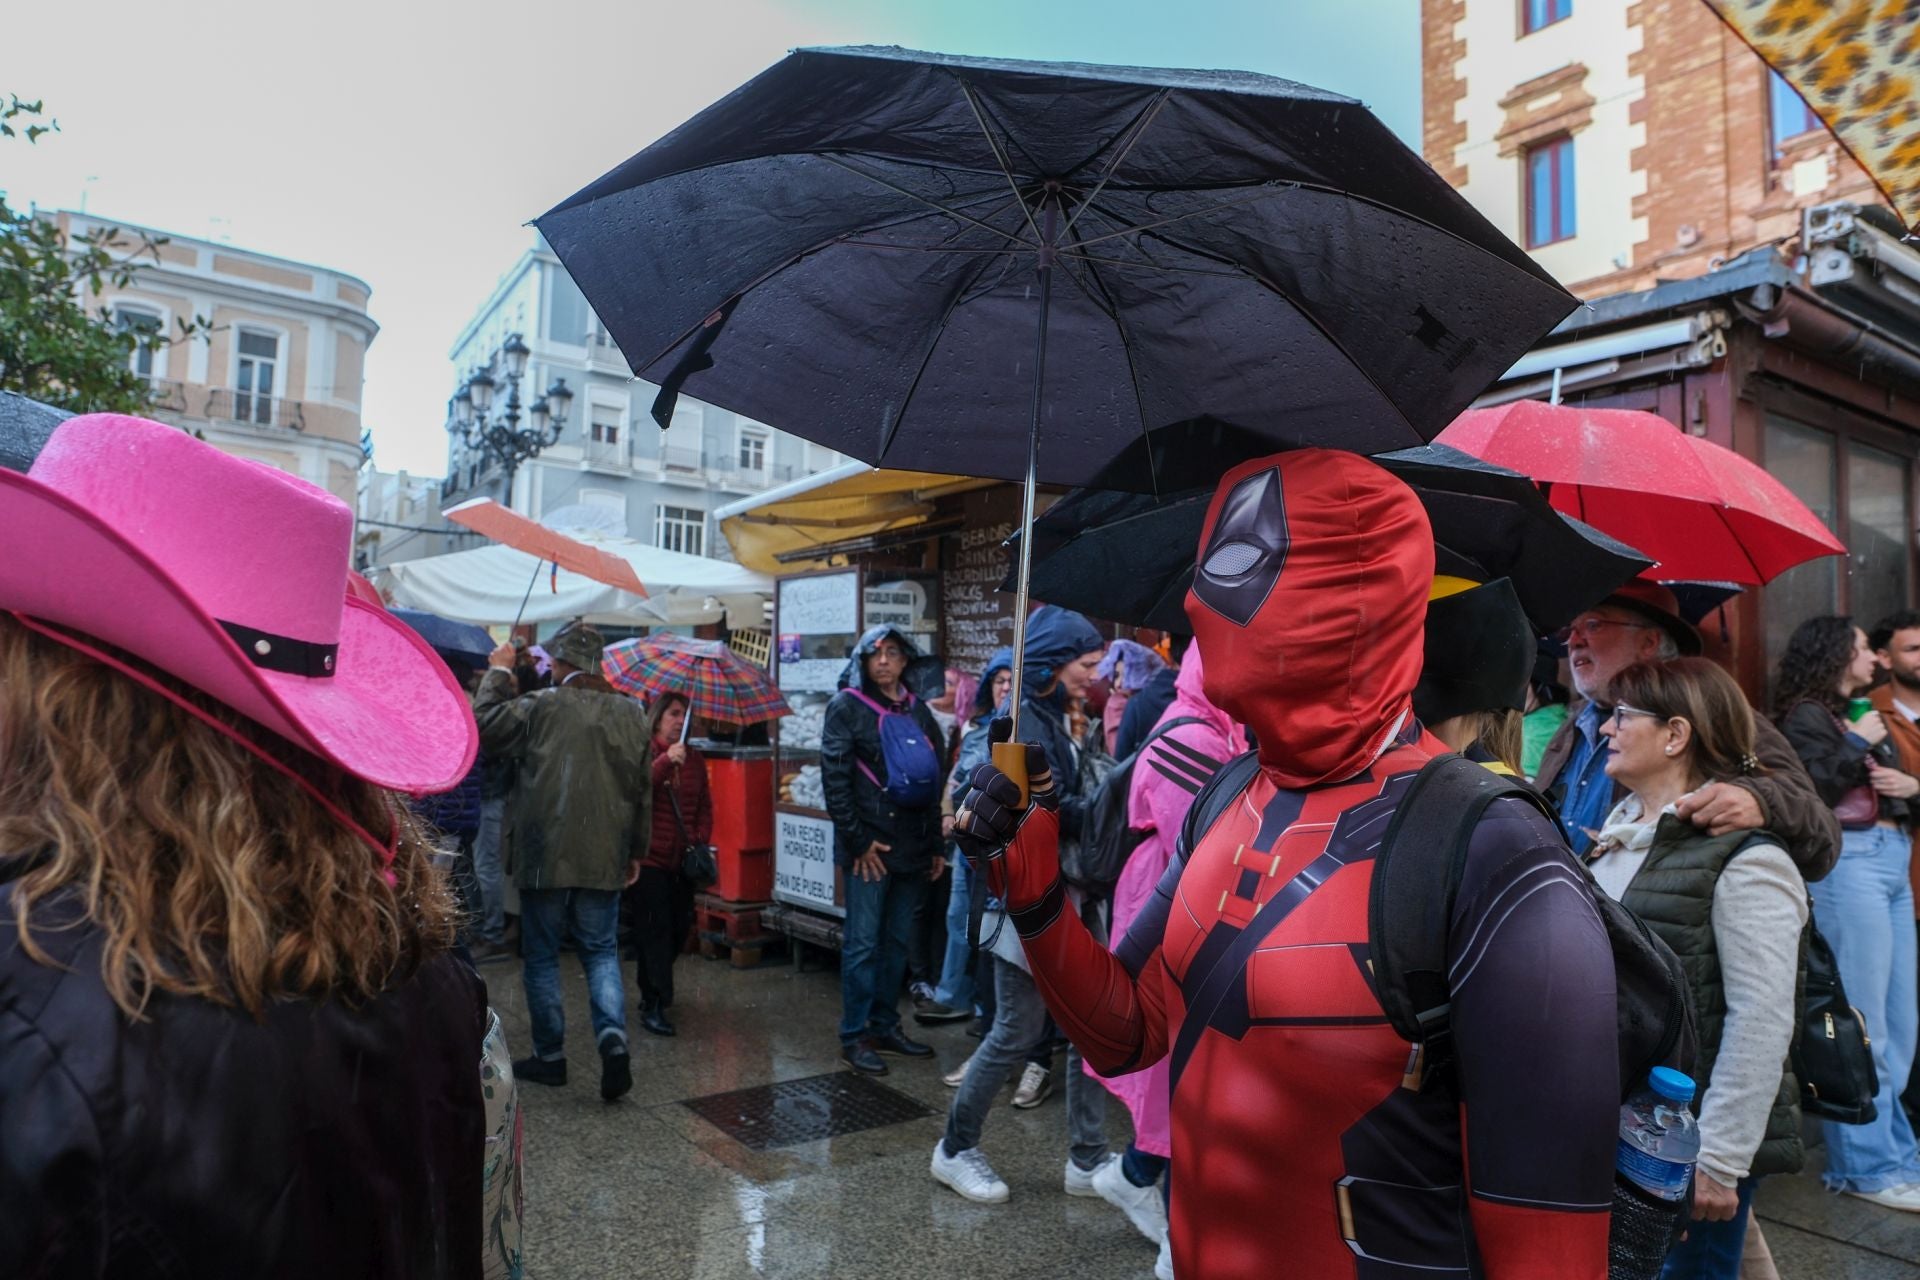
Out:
{"x": 742, "y": 785}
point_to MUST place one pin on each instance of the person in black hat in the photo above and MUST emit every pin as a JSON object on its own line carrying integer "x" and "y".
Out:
{"x": 1473, "y": 683}
{"x": 1641, "y": 622}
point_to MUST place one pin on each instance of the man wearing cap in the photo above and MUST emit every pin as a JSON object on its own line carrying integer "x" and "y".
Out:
{"x": 1641, "y": 623}
{"x": 579, "y": 818}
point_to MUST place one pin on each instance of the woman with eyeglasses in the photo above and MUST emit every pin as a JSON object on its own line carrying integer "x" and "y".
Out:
{"x": 1732, "y": 907}
{"x": 1866, "y": 902}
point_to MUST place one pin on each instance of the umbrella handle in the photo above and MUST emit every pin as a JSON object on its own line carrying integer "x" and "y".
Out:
{"x": 1010, "y": 758}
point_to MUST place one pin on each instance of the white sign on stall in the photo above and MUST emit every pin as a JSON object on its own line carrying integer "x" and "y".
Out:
{"x": 803, "y": 871}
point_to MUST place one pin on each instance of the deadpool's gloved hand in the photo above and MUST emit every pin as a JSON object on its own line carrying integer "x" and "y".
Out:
{"x": 1017, "y": 847}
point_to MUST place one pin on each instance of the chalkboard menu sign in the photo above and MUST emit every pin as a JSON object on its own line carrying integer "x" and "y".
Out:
{"x": 978, "y": 616}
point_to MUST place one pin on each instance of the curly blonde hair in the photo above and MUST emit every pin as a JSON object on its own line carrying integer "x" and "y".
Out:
{"x": 211, "y": 874}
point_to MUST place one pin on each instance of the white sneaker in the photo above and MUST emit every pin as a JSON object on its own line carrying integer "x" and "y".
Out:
{"x": 955, "y": 1077}
{"x": 969, "y": 1174}
{"x": 1905, "y": 1197}
{"x": 1142, "y": 1205}
{"x": 1036, "y": 1082}
{"x": 1079, "y": 1182}
{"x": 1163, "y": 1266}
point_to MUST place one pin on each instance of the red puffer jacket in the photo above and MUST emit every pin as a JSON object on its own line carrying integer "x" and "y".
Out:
{"x": 687, "y": 782}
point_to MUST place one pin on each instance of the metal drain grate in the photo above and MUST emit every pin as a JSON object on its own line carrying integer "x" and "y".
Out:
{"x": 795, "y": 1111}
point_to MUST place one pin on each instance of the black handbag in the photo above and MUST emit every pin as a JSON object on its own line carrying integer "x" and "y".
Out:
{"x": 1833, "y": 1054}
{"x": 699, "y": 864}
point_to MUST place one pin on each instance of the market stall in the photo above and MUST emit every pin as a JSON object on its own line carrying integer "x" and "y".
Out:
{"x": 848, "y": 549}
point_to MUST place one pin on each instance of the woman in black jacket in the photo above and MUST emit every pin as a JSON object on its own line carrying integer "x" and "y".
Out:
{"x": 1865, "y": 904}
{"x": 886, "y": 827}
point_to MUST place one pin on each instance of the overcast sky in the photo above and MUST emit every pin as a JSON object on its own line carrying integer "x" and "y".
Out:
{"x": 408, "y": 142}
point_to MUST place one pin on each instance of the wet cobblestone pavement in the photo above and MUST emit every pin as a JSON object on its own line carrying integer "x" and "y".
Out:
{"x": 646, "y": 1187}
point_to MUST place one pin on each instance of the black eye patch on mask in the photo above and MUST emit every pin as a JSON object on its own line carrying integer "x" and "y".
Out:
{"x": 1242, "y": 560}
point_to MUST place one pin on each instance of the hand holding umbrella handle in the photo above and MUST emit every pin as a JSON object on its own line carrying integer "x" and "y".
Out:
{"x": 1010, "y": 758}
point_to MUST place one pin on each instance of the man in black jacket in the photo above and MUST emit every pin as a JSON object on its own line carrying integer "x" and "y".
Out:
{"x": 888, "y": 845}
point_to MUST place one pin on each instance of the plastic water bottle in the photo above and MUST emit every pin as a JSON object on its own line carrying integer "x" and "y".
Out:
{"x": 1659, "y": 1144}
{"x": 1659, "y": 1139}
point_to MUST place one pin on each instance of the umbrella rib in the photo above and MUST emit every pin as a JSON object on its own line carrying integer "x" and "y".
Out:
{"x": 1264, "y": 190}
{"x": 1148, "y": 266}
{"x": 933, "y": 344}
{"x": 1006, "y": 165}
{"x": 935, "y": 205}
{"x": 1138, "y": 128}
{"x": 1112, "y": 308}
{"x": 1304, "y": 314}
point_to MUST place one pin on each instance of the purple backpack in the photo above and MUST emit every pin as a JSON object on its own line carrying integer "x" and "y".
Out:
{"x": 912, "y": 764}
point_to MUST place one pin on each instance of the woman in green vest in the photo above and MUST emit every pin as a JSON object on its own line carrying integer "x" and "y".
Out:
{"x": 1733, "y": 908}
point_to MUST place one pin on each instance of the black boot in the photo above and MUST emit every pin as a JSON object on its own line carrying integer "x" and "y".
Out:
{"x": 653, "y": 1018}
{"x": 616, "y": 1068}
{"x": 541, "y": 1070}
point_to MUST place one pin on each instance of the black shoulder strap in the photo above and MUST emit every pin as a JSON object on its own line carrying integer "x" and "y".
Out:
{"x": 1407, "y": 922}
{"x": 1234, "y": 777}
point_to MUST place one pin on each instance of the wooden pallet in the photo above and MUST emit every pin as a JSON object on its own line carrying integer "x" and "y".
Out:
{"x": 734, "y": 930}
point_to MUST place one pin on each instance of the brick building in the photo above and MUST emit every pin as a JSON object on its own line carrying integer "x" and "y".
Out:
{"x": 1622, "y": 143}
{"x": 1743, "y": 276}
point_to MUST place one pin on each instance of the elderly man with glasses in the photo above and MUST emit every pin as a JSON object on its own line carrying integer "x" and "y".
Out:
{"x": 1640, "y": 623}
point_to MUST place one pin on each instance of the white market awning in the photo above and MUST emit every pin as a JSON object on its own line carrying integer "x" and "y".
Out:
{"x": 486, "y": 586}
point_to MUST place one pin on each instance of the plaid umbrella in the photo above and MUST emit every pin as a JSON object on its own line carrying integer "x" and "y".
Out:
{"x": 718, "y": 683}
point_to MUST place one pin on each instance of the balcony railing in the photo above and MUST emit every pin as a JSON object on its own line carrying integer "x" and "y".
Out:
{"x": 607, "y": 455}
{"x": 260, "y": 410}
{"x": 167, "y": 394}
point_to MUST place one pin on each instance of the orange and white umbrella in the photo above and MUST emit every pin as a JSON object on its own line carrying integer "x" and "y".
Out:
{"x": 485, "y": 516}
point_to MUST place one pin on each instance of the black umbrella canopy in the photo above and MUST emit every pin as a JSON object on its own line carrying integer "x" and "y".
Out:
{"x": 1129, "y": 558}
{"x": 846, "y": 247}
{"x": 25, "y": 425}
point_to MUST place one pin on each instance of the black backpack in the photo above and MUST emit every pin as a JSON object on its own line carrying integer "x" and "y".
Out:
{"x": 1093, "y": 863}
{"x": 1425, "y": 845}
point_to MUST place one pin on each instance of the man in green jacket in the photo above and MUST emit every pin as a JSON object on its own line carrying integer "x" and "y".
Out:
{"x": 578, "y": 821}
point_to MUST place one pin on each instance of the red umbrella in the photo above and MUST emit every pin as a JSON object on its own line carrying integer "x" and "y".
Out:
{"x": 1703, "y": 512}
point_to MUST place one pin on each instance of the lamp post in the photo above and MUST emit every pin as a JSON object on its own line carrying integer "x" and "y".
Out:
{"x": 499, "y": 439}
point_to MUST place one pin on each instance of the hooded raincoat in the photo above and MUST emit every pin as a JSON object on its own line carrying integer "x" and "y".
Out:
{"x": 861, "y": 810}
{"x": 1164, "y": 783}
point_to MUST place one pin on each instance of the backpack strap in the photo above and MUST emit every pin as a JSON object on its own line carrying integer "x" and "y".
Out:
{"x": 1226, "y": 786}
{"x": 1407, "y": 922}
{"x": 878, "y": 710}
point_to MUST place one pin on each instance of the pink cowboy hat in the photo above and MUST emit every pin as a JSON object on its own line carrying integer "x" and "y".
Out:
{"x": 231, "y": 576}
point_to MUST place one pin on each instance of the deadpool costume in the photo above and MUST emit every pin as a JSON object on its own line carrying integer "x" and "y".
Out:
{"x": 1307, "y": 1139}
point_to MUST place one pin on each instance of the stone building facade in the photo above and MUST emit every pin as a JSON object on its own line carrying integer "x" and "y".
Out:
{"x": 279, "y": 376}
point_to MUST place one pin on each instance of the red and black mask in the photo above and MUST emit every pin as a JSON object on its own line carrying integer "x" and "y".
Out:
{"x": 1309, "y": 597}
{"x": 1241, "y": 562}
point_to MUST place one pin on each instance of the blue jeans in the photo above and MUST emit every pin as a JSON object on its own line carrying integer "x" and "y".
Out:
{"x": 873, "y": 952}
{"x": 1712, "y": 1250}
{"x": 1019, "y": 1023}
{"x": 1865, "y": 910}
{"x": 956, "y": 968}
{"x": 593, "y": 917}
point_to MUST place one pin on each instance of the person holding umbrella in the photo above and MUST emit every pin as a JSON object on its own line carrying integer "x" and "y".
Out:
{"x": 1299, "y": 1143}
{"x": 579, "y": 826}
{"x": 663, "y": 900}
{"x": 881, "y": 773}
{"x": 235, "y": 1039}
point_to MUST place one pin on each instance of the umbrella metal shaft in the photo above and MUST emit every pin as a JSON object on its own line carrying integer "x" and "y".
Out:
{"x": 1015, "y": 753}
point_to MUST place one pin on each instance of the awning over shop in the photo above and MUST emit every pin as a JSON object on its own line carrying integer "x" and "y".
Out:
{"x": 807, "y": 524}
{"x": 486, "y": 586}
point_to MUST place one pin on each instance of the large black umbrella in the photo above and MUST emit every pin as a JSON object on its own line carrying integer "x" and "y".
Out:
{"x": 1128, "y": 557}
{"x": 25, "y": 425}
{"x": 860, "y": 246}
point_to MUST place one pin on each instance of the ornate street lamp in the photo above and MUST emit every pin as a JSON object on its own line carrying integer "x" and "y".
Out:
{"x": 500, "y": 440}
